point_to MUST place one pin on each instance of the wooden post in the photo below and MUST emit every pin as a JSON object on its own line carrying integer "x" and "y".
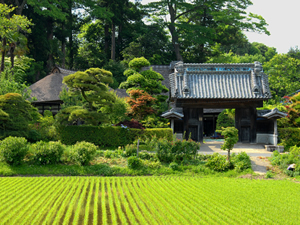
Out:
{"x": 172, "y": 125}
{"x": 137, "y": 150}
{"x": 275, "y": 132}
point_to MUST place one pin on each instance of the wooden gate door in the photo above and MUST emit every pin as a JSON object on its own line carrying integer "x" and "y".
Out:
{"x": 194, "y": 131}
{"x": 245, "y": 134}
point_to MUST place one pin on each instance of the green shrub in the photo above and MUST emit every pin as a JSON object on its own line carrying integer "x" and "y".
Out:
{"x": 269, "y": 174}
{"x": 130, "y": 150}
{"x": 138, "y": 63}
{"x": 241, "y": 161}
{"x": 13, "y": 150}
{"x": 177, "y": 150}
{"x": 83, "y": 152}
{"x": 34, "y": 136}
{"x": 218, "y": 162}
{"x": 225, "y": 119}
{"x": 289, "y": 137}
{"x": 174, "y": 166}
{"x": 145, "y": 155}
{"x": 45, "y": 153}
{"x": 284, "y": 160}
{"x": 152, "y": 164}
{"x": 134, "y": 162}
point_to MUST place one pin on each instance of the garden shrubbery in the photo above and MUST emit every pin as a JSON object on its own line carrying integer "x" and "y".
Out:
{"x": 284, "y": 160}
{"x": 13, "y": 150}
{"x": 44, "y": 153}
{"x": 289, "y": 137}
{"x": 82, "y": 153}
{"x": 239, "y": 162}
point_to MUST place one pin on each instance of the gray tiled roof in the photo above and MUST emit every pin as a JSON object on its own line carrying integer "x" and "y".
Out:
{"x": 219, "y": 81}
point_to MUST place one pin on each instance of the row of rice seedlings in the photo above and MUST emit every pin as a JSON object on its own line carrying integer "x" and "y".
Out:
{"x": 170, "y": 206}
{"x": 112, "y": 210}
{"x": 117, "y": 202}
{"x": 72, "y": 204}
{"x": 125, "y": 203}
{"x": 7, "y": 185}
{"x": 39, "y": 199}
{"x": 88, "y": 202}
{"x": 180, "y": 197}
{"x": 48, "y": 211}
{"x": 159, "y": 204}
{"x": 83, "y": 194}
{"x": 151, "y": 210}
{"x": 137, "y": 205}
{"x": 16, "y": 205}
{"x": 211, "y": 202}
{"x": 103, "y": 202}
{"x": 96, "y": 196}
{"x": 60, "y": 213}
{"x": 213, "y": 192}
{"x": 15, "y": 191}
{"x": 246, "y": 204}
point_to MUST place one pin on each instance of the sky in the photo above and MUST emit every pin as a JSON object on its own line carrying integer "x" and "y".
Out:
{"x": 283, "y": 18}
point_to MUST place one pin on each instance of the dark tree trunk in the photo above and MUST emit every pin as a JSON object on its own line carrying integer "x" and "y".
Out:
{"x": 174, "y": 35}
{"x": 50, "y": 61}
{"x": 70, "y": 35}
{"x": 12, "y": 55}
{"x": 113, "y": 42}
{"x": 3, "y": 54}
{"x": 106, "y": 40}
{"x": 63, "y": 49}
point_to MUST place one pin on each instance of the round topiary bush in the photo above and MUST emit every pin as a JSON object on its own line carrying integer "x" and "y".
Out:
{"x": 134, "y": 163}
{"x": 174, "y": 166}
{"x": 83, "y": 152}
{"x": 13, "y": 150}
{"x": 44, "y": 153}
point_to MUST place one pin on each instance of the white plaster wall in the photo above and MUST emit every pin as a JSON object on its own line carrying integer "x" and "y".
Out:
{"x": 266, "y": 139}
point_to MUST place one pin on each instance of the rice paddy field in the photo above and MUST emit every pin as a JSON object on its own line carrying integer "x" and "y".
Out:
{"x": 148, "y": 200}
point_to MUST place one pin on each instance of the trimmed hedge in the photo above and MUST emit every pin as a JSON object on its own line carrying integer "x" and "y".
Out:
{"x": 289, "y": 137}
{"x": 159, "y": 133}
{"x": 108, "y": 136}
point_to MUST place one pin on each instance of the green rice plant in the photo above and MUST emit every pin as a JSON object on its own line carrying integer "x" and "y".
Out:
{"x": 129, "y": 213}
{"x": 10, "y": 199}
{"x": 88, "y": 202}
{"x": 112, "y": 210}
{"x": 175, "y": 215}
{"x": 96, "y": 196}
{"x": 38, "y": 208}
{"x": 18, "y": 205}
{"x": 52, "y": 210}
{"x": 66, "y": 202}
{"x": 72, "y": 206}
{"x": 79, "y": 204}
{"x": 103, "y": 201}
{"x": 154, "y": 203}
{"x": 117, "y": 202}
{"x": 136, "y": 203}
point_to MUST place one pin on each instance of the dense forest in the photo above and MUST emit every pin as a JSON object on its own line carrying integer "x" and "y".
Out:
{"x": 82, "y": 34}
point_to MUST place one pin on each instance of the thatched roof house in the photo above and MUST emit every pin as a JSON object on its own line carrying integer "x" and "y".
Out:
{"x": 47, "y": 90}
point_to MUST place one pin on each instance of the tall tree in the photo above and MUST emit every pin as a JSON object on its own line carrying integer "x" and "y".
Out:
{"x": 10, "y": 28}
{"x": 284, "y": 75}
{"x": 197, "y": 24}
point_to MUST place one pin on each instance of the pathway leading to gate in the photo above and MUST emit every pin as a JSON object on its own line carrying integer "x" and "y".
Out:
{"x": 257, "y": 153}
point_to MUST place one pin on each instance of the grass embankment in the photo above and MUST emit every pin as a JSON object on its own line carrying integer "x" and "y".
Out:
{"x": 148, "y": 200}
